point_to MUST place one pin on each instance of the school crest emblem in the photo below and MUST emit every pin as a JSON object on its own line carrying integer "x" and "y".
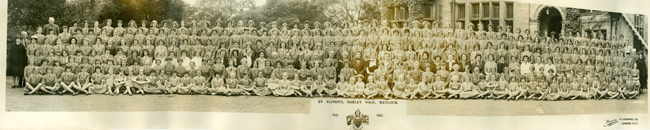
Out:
{"x": 357, "y": 120}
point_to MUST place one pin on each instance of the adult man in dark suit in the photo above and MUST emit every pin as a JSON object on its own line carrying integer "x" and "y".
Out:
{"x": 52, "y": 26}
{"x": 358, "y": 64}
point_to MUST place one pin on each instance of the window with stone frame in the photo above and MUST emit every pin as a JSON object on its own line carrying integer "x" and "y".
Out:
{"x": 639, "y": 23}
{"x": 509, "y": 10}
{"x": 400, "y": 13}
{"x": 495, "y": 10}
{"x": 430, "y": 12}
{"x": 460, "y": 10}
{"x": 487, "y": 13}
{"x": 476, "y": 11}
{"x": 486, "y": 10}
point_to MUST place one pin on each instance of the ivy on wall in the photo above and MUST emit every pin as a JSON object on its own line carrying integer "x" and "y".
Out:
{"x": 572, "y": 21}
{"x": 416, "y": 10}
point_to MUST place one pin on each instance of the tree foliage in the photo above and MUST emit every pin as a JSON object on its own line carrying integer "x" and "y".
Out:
{"x": 290, "y": 11}
{"x": 212, "y": 10}
{"x": 139, "y": 10}
{"x": 35, "y": 12}
{"x": 370, "y": 10}
{"x": 386, "y": 4}
{"x": 347, "y": 10}
{"x": 281, "y": 11}
{"x": 572, "y": 21}
{"x": 90, "y": 10}
{"x": 415, "y": 9}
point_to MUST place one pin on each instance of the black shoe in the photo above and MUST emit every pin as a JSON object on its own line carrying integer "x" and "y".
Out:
{"x": 26, "y": 94}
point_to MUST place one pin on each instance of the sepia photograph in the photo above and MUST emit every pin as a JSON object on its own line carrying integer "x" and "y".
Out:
{"x": 351, "y": 63}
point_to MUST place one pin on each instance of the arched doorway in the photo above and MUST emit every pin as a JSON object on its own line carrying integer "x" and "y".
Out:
{"x": 550, "y": 20}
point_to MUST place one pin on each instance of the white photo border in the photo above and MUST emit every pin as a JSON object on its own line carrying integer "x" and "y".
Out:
{"x": 223, "y": 120}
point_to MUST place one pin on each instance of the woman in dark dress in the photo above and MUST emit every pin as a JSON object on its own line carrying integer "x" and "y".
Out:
{"x": 16, "y": 62}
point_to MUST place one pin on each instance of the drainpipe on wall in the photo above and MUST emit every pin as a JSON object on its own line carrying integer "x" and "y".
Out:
{"x": 453, "y": 12}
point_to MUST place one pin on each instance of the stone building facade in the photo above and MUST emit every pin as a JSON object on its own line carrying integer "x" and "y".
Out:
{"x": 534, "y": 17}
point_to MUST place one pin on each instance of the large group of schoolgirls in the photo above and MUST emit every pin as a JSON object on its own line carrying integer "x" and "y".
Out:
{"x": 358, "y": 59}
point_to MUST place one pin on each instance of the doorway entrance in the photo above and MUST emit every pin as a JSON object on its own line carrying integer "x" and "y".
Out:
{"x": 550, "y": 20}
